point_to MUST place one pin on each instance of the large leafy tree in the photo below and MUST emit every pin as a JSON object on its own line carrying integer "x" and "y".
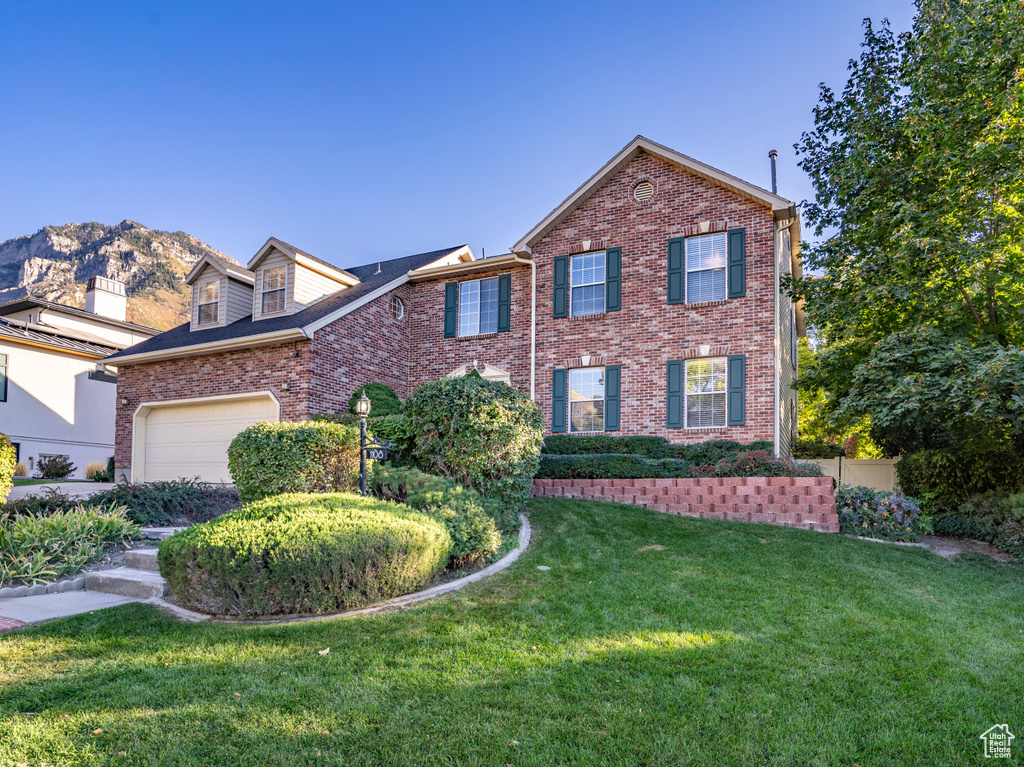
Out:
{"x": 918, "y": 170}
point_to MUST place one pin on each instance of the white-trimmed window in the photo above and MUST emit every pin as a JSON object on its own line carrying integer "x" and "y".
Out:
{"x": 397, "y": 308}
{"x": 706, "y": 260}
{"x": 478, "y": 307}
{"x": 705, "y": 391}
{"x": 209, "y": 302}
{"x": 272, "y": 297}
{"x": 586, "y": 399}
{"x": 586, "y": 280}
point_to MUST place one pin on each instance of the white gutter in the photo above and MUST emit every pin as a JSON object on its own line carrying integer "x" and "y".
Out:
{"x": 227, "y": 344}
{"x": 533, "y": 322}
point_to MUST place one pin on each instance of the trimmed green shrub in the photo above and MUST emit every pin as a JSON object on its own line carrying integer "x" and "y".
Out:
{"x": 816, "y": 447}
{"x": 943, "y": 479}
{"x": 469, "y": 518}
{"x": 55, "y": 467}
{"x": 302, "y": 457}
{"x": 756, "y": 463}
{"x": 610, "y": 466}
{"x": 7, "y": 463}
{"x": 40, "y": 548}
{"x": 303, "y": 553}
{"x": 1010, "y": 538}
{"x": 715, "y": 450}
{"x": 886, "y": 514}
{"x": 484, "y": 434}
{"x": 651, "y": 447}
{"x": 383, "y": 400}
{"x": 345, "y": 419}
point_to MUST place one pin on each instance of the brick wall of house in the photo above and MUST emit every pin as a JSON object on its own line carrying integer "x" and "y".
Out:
{"x": 648, "y": 331}
{"x": 246, "y": 370}
{"x": 434, "y": 355}
{"x": 368, "y": 345}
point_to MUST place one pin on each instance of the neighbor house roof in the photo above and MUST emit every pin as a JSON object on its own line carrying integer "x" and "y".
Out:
{"x": 375, "y": 279}
{"x": 780, "y": 205}
{"x": 47, "y": 337}
{"x": 21, "y": 304}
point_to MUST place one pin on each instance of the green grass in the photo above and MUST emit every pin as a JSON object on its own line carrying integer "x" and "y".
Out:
{"x": 733, "y": 645}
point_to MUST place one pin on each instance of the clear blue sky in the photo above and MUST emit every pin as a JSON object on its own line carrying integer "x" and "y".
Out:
{"x": 361, "y": 131}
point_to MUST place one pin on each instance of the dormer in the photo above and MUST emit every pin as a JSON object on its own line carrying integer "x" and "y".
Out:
{"x": 221, "y": 293}
{"x": 287, "y": 280}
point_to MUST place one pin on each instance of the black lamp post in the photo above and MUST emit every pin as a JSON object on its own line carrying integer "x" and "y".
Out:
{"x": 362, "y": 410}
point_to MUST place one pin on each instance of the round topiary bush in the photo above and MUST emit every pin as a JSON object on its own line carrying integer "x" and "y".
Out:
{"x": 383, "y": 400}
{"x": 484, "y": 434}
{"x": 301, "y": 457}
{"x": 303, "y": 553}
{"x": 7, "y": 463}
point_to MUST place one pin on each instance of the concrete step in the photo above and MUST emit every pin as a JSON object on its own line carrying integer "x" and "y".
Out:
{"x": 142, "y": 559}
{"x": 159, "y": 533}
{"x": 127, "y": 582}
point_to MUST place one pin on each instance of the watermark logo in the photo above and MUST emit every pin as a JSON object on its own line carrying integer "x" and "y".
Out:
{"x": 997, "y": 741}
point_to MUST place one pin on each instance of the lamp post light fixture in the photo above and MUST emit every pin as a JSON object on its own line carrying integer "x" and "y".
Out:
{"x": 362, "y": 410}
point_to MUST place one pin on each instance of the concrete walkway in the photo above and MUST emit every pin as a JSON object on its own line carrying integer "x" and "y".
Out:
{"x": 74, "y": 489}
{"x": 46, "y": 607}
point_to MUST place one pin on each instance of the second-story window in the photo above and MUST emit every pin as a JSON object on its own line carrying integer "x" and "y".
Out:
{"x": 588, "y": 289}
{"x": 706, "y": 258}
{"x": 272, "y": 299}
{"x": 478, "y": 307}
{"x": 209, "y": 302}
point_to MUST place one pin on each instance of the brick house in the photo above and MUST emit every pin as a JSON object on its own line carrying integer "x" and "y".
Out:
{"x": 647, "y": 302}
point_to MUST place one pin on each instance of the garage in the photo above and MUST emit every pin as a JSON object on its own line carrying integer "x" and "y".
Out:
{"x": 190, "y": 438}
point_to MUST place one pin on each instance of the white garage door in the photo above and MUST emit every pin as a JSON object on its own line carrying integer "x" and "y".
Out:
{"x": 192, "y": 440}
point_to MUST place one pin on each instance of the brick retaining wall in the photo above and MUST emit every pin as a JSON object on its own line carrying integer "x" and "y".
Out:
{"x": 804, "y": 502}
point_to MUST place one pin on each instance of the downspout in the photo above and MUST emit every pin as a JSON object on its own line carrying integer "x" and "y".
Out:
{"x": 533, "y": 322}
{"x": 778, "y": 351}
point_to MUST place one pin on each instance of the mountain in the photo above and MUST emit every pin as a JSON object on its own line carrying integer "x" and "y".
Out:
{"x": 55, "y": 263}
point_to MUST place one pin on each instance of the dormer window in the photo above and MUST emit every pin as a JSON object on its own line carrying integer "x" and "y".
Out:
{"x": 209, "y": 302}
{"x": 272, "y": 299}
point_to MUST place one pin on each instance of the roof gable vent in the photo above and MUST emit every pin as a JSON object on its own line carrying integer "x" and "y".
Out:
{"x": 643, "y": 191}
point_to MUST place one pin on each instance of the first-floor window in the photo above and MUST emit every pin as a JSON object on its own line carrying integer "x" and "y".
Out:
{"x": 586, "y": 399}
{"x": 3, "y": 377}
{"x": 209, "y": 303}
{"x": 705, "y": 392}
{"x": 478, "y": 307}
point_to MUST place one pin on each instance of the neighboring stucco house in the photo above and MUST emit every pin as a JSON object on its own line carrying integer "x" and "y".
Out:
{"x": 647, "y": 302}
{"x": 57, "y": 397}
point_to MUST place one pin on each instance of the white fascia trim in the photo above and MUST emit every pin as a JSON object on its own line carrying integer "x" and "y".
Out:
{"x": 217, "y": 265}
{"x": 619, "y": 160}
{"x": 228, "y": 344}
{"x": 323, "y": 322}
{"x": 426, "y": 273}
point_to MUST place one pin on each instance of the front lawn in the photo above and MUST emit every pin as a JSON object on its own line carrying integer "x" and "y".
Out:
{"x": 652, "y": 640}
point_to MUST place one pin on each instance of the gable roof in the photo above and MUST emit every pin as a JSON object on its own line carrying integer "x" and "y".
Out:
{"x": 30, "y": 302}
{"x": 183, "y": 342}
{"x": 304, "y": 258}
{"x": 225, "y": 267}
{"x": 784, "y": 207}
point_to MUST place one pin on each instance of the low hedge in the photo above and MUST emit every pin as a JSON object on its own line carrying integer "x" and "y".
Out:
{"x": 993, "y": 516}
{"x": 710, "y": 451}
{"x": 37, "y": 548}
{"x": 301, "y": 457}
{"x": 886, "y": 514}
{"x": 610, "y": 466}
{"x": 756, "y": 463}
{"x": 469, "y": 518}
{"x": 303, "y": 553}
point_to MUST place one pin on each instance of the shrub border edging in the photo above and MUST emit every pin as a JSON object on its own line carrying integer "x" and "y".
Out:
{"x": 391, "y": 604}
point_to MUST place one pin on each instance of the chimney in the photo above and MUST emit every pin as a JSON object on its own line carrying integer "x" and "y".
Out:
{"x": 106, "y": 298}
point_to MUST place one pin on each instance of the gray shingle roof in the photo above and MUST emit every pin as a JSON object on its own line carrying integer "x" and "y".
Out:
{"x": 368, "y": 275}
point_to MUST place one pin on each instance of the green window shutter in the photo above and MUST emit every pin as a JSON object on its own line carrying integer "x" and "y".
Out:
{"x": 676, "y": 271}
{"x": 451, "y": 292}
{"x": 504, "y": 303}
{"x": 559, "y": 397}
{"x": 612, "y": 381}
{"x": 737, "y": 263}
{"x": 561, "y": 286}
{"x": 674, "y": 390}
{"x": 613, "y": 279}
{"x": 737, "y": 388}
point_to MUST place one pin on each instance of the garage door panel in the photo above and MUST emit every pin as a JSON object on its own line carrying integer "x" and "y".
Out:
{"x": 192, "y": 440}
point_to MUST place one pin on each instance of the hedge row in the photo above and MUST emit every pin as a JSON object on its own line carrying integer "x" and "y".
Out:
{"x": 303, "y": 553}
{"x": 710, "y": 451}
{"x": 757, "y": 463}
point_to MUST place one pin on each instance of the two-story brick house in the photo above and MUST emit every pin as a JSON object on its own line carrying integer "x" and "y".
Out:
{"x": 646, "y": 303}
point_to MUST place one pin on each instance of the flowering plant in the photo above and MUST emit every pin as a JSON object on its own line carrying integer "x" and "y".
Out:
{"x": 887, "y": 514}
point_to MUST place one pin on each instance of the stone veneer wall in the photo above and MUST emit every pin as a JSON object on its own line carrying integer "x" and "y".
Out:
{"x": 803, "y": 502}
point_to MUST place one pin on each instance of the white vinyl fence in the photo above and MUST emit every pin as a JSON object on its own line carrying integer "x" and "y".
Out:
{"x": 860, "y": 472}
